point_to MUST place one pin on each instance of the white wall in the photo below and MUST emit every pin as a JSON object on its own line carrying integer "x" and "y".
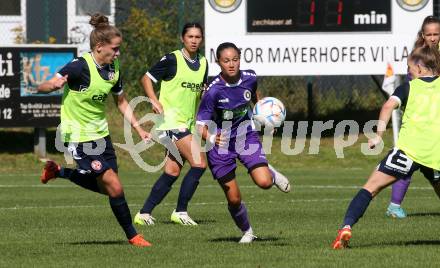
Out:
{"x": 347, "y": 53}
{"x": 78, "y": 27}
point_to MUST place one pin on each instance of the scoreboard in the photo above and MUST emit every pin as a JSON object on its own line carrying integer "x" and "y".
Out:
{"x": 316, "y": 37}
{"x": 318, "y": 16}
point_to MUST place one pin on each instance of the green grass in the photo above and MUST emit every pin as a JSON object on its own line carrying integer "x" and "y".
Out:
{"x": 60, "y": 224}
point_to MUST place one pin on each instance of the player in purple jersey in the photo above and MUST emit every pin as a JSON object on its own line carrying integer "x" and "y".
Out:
{"x": 227, "y": 105}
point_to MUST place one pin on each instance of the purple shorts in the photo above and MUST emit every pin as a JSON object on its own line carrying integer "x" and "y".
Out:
{"x": 248, "y": 150}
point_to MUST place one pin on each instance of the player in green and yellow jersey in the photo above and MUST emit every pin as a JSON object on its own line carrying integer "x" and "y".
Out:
{"x": 428, "y": 35}
{"x": 87, "y": 81}
{"x": 419, "y": 138}
{"x": 183, "y": 76}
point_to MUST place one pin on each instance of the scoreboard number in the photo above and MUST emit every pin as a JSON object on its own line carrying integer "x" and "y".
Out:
{"x": 318, "y": 16}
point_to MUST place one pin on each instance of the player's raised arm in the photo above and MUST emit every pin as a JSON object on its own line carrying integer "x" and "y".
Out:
{"x": 384, "y": 118}
{"x": 52, "y": 84}
{"x": 127, "y": 111}
{"x": 147, "y": 84}
{"x": 385, "y": 114}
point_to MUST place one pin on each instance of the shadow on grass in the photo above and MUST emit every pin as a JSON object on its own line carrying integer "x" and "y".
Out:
{"x": 425, "y": 214}
{"x": 275, "y": 241}
{"x": 111, "y": 242}
{"x": 422, "y": 243}
{"x": 400, "y": 243}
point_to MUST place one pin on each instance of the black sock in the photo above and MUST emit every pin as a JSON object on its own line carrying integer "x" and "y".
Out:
{"x": 357, "y": 207}
{"x": 158, "y": 192}
{"x": 122, "y": 213}
{"x": 86, "y": 181}
{"x": 188, "y": 187}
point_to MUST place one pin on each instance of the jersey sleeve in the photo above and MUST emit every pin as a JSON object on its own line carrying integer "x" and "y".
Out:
{"x": 73, "y": 69}
{"x": 205, "y": 77}
{"x": 253, "y": 81}
{"x": 206, "y": 108}
{"x": 163, "y": 69}
{"x": 117, "y": 88}
{"x": 401, "y": 94}
{"x": 255, "y": 85}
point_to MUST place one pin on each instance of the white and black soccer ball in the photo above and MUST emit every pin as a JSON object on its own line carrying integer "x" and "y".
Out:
{"x": 269, "y": 112}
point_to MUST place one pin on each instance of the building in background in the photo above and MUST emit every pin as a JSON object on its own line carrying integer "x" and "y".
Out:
{"x": 50, "y": 21}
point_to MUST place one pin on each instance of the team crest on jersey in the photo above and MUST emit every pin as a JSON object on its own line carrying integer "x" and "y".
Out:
{"x": 247, "y": 95}
{"x": 111, "y": 75}
{"x": 96, "y": 165}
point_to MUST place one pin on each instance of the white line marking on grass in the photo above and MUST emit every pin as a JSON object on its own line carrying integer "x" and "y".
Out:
{"x": 201, "y": 186}
{"x": 193, "y": 204}
{"x": 38, "y": 186}
{"x": 170, "y": 204}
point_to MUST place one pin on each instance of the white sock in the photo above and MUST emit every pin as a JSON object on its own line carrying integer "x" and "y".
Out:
{"x": 249, "y": 231}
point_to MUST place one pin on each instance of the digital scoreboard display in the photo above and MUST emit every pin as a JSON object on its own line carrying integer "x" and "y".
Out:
{"x": 277, "y": 16}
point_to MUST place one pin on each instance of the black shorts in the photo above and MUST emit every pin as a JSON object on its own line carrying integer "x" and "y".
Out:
{"x": 400, "y": 166}
{"x": 168, "y": 138}
{"x": 173, "y": 134}
{"x": 94, "y": 157}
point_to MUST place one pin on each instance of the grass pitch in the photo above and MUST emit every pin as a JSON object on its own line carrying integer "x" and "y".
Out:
{"x": 59, "y": 224}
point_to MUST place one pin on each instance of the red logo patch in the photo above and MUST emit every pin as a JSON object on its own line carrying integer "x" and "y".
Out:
{"x": 96, "y": 165}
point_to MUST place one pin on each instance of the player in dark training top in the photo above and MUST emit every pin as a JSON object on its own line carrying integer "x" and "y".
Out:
{"x": 428, "y": 35}
{"x": 87, "y": 82}
{"x": 182, "y": 75}
{"x": 225, "y": 120}
{"x": 419, "y": 138}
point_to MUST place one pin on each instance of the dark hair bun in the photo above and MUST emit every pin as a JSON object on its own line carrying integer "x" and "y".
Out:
{"x": 98, "y": 20}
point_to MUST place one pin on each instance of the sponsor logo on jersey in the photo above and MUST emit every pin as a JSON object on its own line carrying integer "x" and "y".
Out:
{"x": 247, "y": 95}
{"x": 83, "y": 88}
{"x": 111, "y": 75}
{"x": 96, "y": 165}
{"x": 228, "y": 115}
{"x": 100, "y": 97}
{"x": 224, "y": 100}
{"x": 192, "y": 86}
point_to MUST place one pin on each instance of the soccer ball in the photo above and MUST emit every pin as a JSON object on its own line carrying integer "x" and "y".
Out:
{"x": 269, "y": 112}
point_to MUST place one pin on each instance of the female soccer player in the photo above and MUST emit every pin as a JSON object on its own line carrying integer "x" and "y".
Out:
{"x": 429, "y": 34}
{"x": 227, "y": 102}
{"x": 183, "y": 76}
{"x": 87, "y": 81}
{"x": 419, "y": 137}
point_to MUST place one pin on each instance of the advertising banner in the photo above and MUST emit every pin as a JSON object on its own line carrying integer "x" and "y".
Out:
{"x": 22, "y": 69}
